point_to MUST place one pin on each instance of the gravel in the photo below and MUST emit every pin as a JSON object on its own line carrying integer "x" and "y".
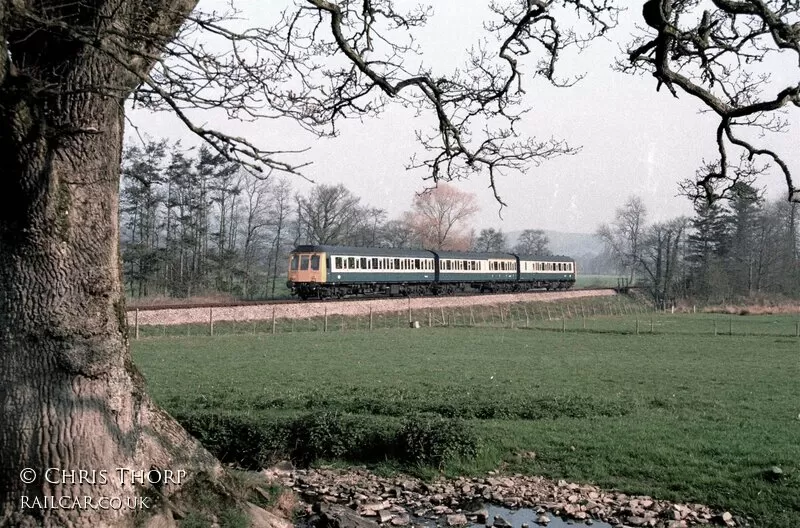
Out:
{"x": 302, "y": 310}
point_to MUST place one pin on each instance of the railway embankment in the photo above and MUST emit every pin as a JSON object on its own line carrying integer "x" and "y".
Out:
{"x": 351, "y": 307}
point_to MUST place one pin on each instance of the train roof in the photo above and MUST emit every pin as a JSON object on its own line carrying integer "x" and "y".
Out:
{"x": 350, "y": 251}
{"x": 477, "y": 255}
{"x": 547, "y": 258}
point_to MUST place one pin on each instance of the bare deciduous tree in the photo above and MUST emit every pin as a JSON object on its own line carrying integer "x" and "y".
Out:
{"x": 623, "y": 237}
{"x": 723, "y": 54}
{"x": 440, "y": 217}
{"x": 329, "y": 214}
{"x": 532, "y": 242}
{"x": 490, "y": 239}
{"x": 661, "y": 258}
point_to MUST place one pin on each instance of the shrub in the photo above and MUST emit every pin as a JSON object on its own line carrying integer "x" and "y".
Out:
{"x": 253, "y": 443}
{"x": 433, "y": 440}
{"x": 243, "y": 440}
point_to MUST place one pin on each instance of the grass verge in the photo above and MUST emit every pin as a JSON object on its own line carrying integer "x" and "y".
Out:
{"x": 685, "y": 415}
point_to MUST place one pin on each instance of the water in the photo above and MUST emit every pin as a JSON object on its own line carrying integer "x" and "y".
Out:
{"x": 527, "y": 516}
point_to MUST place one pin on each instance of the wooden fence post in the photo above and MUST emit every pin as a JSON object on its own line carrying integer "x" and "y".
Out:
{"x": 527, "y": 317}
{"x": 273, "y": 320}
{"x": 325, "y": 324}
{"x": 211, "y": 321}
{"x": 637, "y": 326}
{"x": 444, "y": 321}
{"x": 430, "y": 319}
{"x": 730, "y": 325}
{"x": 136, "y": 324}
{"x": 370, "y": 317}
{"x": 409, "y": 311}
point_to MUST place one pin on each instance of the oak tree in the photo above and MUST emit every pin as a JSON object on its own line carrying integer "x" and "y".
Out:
{"x": 70, "y": 396}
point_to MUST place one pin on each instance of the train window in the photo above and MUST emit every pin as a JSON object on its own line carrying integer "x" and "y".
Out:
{"x": 338, "y": 262}
{"x": 315, "y": 262}
{"x": 295, "y": 261}
{"x": 396, "y": 263}
{"x": 559, "y": 266}
{"x": 363, "y": 263}
{"x": 303, "y": 262}
{"x": 351, "y": 263}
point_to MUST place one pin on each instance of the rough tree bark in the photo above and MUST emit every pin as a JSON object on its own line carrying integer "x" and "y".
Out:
{"x": 70, "y": 398}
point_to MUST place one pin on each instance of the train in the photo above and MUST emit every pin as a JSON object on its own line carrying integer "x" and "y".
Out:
{"x": 324, "y": 271}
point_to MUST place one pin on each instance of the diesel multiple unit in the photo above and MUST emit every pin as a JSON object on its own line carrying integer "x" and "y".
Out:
{"x": 337, "y": 271}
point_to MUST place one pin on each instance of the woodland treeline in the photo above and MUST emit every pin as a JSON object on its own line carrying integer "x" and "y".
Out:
{"x": 741, "y": 247}
{"x": 193, "y": 224}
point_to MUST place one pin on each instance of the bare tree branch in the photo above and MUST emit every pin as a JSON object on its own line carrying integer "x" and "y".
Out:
{"x": 722, "y": 57}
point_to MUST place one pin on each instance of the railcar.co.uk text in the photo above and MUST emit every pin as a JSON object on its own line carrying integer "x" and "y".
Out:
{"x": 118, "y": 477}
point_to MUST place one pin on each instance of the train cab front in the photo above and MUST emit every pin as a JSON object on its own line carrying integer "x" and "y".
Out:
{"x": 307, "y": 273}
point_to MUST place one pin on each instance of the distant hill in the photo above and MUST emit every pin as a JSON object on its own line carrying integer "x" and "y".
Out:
{"x": 573, "y": 244}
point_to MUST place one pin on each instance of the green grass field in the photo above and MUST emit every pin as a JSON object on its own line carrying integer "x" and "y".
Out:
{"x": 596, "y": 281}
{"x": 680, "y": 414}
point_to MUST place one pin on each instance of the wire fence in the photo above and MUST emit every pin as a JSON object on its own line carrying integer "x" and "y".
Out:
{"x": 619, "y": 315}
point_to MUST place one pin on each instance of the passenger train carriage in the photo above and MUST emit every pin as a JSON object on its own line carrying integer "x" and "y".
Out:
{"x": 335, "y": 271}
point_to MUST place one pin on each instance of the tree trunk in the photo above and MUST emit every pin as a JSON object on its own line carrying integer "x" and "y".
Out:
{"x": 70, "y": 397}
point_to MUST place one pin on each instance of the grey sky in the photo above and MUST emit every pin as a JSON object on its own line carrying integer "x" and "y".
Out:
{"x": 634, "y": 140}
